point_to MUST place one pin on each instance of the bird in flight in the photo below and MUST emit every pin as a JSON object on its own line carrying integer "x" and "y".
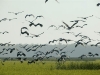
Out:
{"x": 52, "y": 26}
{"x": 53, "y": 41}
{"x": 77, "y": 21}
{"x": 98, "y": 4}
{"x": 85, "y": 18}
{"x": 69, "y": 27}
{"x": 4, "y": 19}
{"x": 41, "y": 25}
{"x": 47, "y": 0}
{"x": 16, "y": 13}
{"x": 82, "y": 26}
{"x": 31, "y": 23}
{"x": 25, "y": 32}
{"x": 38, "y": 16}
{"x": 4, "y": 32}
{"x": 34, "y": 35}
{"x": 29, "y": 15}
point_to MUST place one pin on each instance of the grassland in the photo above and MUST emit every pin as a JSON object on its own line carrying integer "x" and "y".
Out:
{"x": 50, "y": 68}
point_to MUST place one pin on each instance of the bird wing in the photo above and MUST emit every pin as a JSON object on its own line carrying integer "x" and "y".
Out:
{"x": 20, "y": 12}
{"x": 73, "y": 24}
{"x": 52, "y": 26}
{"x": 62, "y": 26}
{"x": 76, "y": 45}
{"x": 41, "y": 33}
{"x": 66, "y": 24}
{"x": 24, "y": 28}
{"x": 39, "y": 25}
{"x": 46, "y": 1}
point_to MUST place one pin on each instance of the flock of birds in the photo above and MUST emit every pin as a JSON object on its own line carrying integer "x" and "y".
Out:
{"x": 40, "y": 55}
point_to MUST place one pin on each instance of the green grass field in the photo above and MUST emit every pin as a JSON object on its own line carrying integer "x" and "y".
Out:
{"x": 50, "y": 68}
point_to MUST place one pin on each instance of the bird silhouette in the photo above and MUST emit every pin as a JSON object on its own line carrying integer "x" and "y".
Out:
{"x": 4, "y": 19}
{"x": 96, "y": 44}
{"x": 96, "y": 54}
{"x": 34, "y": 35}
{"x": 38, "y": 16}
{"x": 62, "y": 39}
{"x": 4, "y": 53}
{"x": 79, "y": 42}
{"x": 83, "y": 56}
{"x": 98, "y": 4}
{"x": 29, "y": 62}
{"x": 68, "y": 32}
{"x": 82, "y": 26}
{"x": 16, "y": 13}
{"x": 87, "y": 42}
{"x": 77, "y": 21}
{"x": 25, "y": 32}
{"x": 52, "y": 26}
{"x": 12, "y": 19}
{"x": 38, "y": 24}
{"x": 72, "y": 51}
{"x": 69, "y": 27}
{"x": 53, "y": 41}
{"x": 77, "y": 34}
{"x": 85, "y": 18}
{"x": 4, "y": 32}
{"x": 20, "y": 53}
{"x": 61, "y": 26}
{"x": 29, "y": 15}
{"x": 47, "y": 1}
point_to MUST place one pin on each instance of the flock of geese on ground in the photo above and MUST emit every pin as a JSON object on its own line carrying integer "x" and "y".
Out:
{"x": 40, "y": 55}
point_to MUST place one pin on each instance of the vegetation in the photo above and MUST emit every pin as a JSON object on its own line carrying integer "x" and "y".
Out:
{"x": 51, "y": 68}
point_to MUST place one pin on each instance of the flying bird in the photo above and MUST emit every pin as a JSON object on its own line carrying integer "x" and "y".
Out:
{"x": 85, "y": 18}
{"x": 4, "y": 19}
{"x": 12, "y": 19}
{"x": 79, "y": 43}
{"x": 69, "y": 27}
{"x": 16, "y": 13}
{"x": 77, "y": 21}
{"x": 61, "y": 26}
{"x": 98, "y": 4}
{"x": 83, "y": 56}
{"x": 4, "y": 53}
{"x": 4, "y": 32}
{"x": 20, "y": 53}
{"x": 47, "y": 0}
{"x": 38, "y": 17}
{"x": 29, "y": 15}
{"x": 38, "y": 24}
{"x": 25, "y": 32}
{"x": 52, "y": 26}
{"x": 34, "y": 35}
{"x": 69, "y": 33}
{"x": 82, "y": 26}
{"x": 53, "y": 41}
{"x": 62, "y": 39}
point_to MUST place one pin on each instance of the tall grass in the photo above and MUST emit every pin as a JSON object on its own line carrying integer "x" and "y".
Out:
{"x": 85, "y": 65}
{"x": 49, "y": 68}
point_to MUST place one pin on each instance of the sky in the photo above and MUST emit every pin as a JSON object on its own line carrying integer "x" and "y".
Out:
{"x": 54, "y": 13}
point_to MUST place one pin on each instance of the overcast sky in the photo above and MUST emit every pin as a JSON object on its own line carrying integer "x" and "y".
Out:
{"x": 54, "y": 13}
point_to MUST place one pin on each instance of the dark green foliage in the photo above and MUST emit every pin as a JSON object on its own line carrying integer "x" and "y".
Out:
{"x": 79, "y": 65}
